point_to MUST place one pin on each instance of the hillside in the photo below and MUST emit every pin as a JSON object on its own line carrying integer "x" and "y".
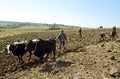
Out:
{"x": 12, "y": 24}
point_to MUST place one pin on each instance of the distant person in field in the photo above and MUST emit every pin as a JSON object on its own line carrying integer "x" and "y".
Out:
{"x": 80, "y": 33}
{"x": 114, "y": 28}
{"x": 62, "y": 39}
{"x": 113, "y": 33}
{"x": 102, "y": 36}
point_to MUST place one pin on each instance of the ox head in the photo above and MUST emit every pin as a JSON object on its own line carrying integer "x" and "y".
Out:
{"x": 9, "y": 49}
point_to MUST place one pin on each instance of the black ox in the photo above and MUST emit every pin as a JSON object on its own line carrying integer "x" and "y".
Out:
{"x": 41, "y": 47}
{"x": 18, "y": 49}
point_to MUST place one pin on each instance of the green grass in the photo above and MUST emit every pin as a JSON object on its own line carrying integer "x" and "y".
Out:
{"x": 33, "y": 27}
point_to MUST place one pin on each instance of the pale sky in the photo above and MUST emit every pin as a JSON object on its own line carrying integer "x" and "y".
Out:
{"x": 85, "y": 13}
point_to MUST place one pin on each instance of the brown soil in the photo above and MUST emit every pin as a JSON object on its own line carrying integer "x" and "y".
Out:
{"x": 83, "y": 59}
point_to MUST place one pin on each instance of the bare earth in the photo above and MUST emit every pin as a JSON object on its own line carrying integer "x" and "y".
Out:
{"x": 82, "y": 59}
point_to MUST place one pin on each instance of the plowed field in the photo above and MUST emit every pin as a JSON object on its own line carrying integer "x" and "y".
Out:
{"x": 85, "y": 58}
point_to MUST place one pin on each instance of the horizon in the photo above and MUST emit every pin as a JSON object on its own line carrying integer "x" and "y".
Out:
{"x": 82, "y": 13}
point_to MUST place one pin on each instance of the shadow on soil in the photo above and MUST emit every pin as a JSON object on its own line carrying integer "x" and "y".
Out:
{"x": 56, "y": 67}
{"x": 77, "y": 49}
{"x": 19, "y": 67}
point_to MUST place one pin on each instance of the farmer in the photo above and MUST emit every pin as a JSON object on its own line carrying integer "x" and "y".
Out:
{"x": 62, "y": 39}
{"x": 113, "y": 33}
{"x": 114, "y": 28}
{"x": 80, "y": 33}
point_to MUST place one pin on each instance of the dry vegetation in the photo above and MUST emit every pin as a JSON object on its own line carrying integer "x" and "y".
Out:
{"x": 83, "y": 59}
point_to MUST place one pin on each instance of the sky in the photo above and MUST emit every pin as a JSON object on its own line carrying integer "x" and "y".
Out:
{"x": 83, "y": 13}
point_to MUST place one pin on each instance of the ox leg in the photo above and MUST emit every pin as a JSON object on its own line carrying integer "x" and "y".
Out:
{"x": 54, "y": 52}
{"x": 20, "y": 58}
{"x": 54, "y": 55}
{"x": 41, "y": 57}
{"x": 30, "y": 55}
{"x": 46, "y": 58}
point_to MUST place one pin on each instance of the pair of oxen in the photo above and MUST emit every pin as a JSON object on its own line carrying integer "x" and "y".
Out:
{"x": 40, "y": 48}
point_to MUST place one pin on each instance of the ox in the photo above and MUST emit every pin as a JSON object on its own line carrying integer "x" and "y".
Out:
{"x": 42, "y": 47}
{"x": 18, "y": 49}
